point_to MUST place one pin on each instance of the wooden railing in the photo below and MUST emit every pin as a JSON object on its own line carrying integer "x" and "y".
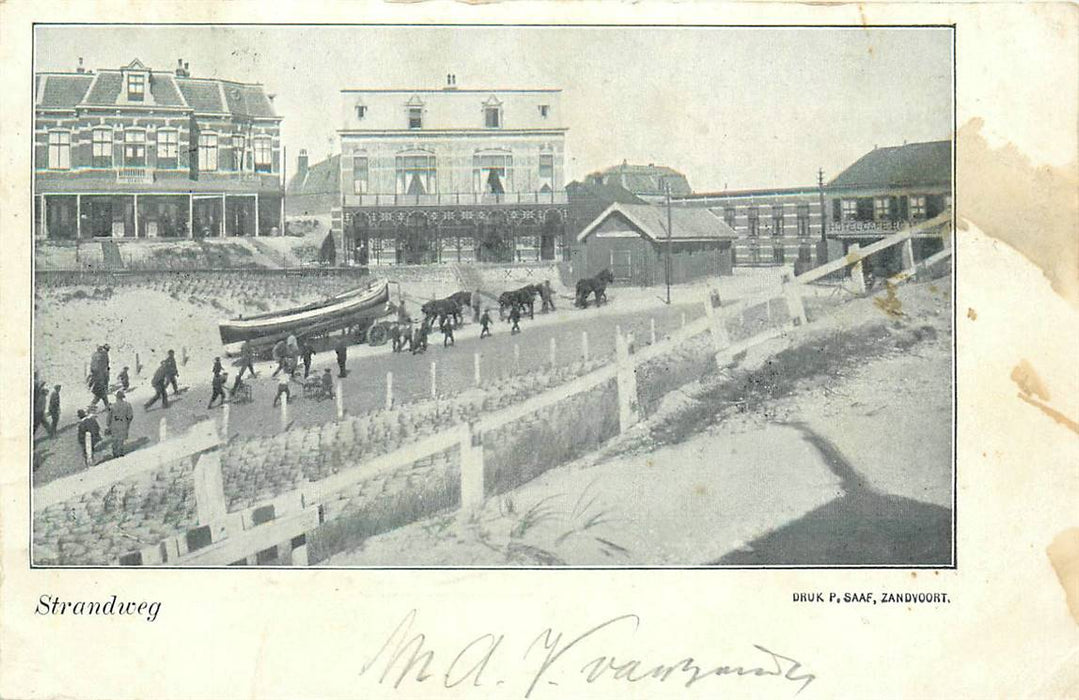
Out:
{"x": 279, "y": 527}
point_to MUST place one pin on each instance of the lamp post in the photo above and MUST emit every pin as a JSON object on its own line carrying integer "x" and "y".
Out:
{"x": 668, "y": 261}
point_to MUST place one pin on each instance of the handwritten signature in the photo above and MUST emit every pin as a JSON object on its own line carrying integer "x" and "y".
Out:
{"x": 405, "y": 658}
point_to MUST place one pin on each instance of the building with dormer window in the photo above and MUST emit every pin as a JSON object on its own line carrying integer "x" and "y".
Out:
{"x": 451, "y": 175}
{"x": 135, "y": 153}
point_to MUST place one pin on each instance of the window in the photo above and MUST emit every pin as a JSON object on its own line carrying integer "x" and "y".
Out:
{"x": 754, "y": 220}
{"x": 492, "y": 117}
{"x": 359, "y": 174}
{"x": 778, "y": 255}
{"x": 361, "y": 111}
{"x": 167, "y": 149}
{"x": 135, "y": 148}
{"x": 546, "y": 172}
{"x": 917, "y": 207}
{"x": 101, "y": 150}
{"x": 415, "y": 174}
{"x": 881, "y": 208}
{"x": 59, "y": 150}
{"x": 728, "y": 216}
{"x": 207, "y": 151}
{"x": 492, "y": 173}
{"x": 263, "y": 155}
{"x": 544, "y": 110}
{"x": 136, "y": 87}
{"x": 777, "y": 219}
{"x": 849, "y": 209}
{"x": 415, "y": 117}
{"x": 803, "y": 220}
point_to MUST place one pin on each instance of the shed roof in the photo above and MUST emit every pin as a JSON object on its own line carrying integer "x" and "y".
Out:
{"x": 687, "y": 223}
{"x": 926, "y": 163}
{"x": 321, "y": 178}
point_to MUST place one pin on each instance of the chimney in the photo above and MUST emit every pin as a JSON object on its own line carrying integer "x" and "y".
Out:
{"x": 80, "y": 69}
{"x": 181, "y": 68}
{"x": 451, "y": 82}
{"x": 301, "y": 164}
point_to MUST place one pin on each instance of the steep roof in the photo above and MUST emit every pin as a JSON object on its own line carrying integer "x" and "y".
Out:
{"x": 64, "y": 90}
{"x": 104, "y": 88}
{"x": 320, "y": 178}
{"x": 687, "y": 223}
{"x": 926, "y": 163}
{"x": 644, "y": 179}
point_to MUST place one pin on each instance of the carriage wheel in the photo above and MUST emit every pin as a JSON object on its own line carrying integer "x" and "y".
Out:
{"x": 378, "y": 335}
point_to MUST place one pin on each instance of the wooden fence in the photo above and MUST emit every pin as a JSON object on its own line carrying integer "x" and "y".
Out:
{"x": 276, "y": 531}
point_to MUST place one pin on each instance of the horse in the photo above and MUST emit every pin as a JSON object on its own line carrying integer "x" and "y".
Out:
{"x": 525, "y": 296}
{"x": 441, "y": 308}
{"x": 594, "y": 285}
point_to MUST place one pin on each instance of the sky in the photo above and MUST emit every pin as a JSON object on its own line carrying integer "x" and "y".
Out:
{"x": 732, "y": 108}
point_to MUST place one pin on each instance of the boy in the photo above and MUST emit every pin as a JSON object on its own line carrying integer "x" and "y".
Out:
{"x": 218, "y": 387}
{"x": 485, "y": 322}
{"x": 125, "y": 379}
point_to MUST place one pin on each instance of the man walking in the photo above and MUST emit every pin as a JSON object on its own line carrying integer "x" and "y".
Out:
{"x": 306, "y": 352}
{"x": 341, "y": 350}
{"x": 218, "y": 388}
{"x": 159, "y": 383}
{"x": 119, "y": 423}
{"x": 125, "y": 379}
{"x": 54, "y": 410}
{"x": 172, "y": 372}
{"x": 485, "y": 323}
{"x": 515, "y": 319}
{"x": 447, "y": 331}
{"x": 247, "y": 357}
{"x": 327, "y": 384}
{"x": 547, "y": 295}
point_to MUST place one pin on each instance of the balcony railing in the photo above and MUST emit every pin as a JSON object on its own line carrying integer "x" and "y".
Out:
{"x": 455, "y": 199}
{"x": 135, "y": 176}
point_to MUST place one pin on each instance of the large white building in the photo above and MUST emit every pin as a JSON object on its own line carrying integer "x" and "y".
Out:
{"x": 452, "y": 174}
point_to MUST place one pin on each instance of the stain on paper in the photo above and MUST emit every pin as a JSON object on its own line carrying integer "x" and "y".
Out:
{"x": 1032, "y": 208}
{"x": 1063, "y": 554}
{"x": 972, "y": 314}
{"x": 1028, "y": 380}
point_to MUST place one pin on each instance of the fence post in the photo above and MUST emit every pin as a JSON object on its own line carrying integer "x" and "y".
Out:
{"x": 162, "y": 430}
{"x": 210, "y": 489}
{"x": 793, "y": 293}
{"x": 584, "y": 345}
{"x": 628, "y": 413}
{"x": 652, "y": 330}
{"x": 138, "y": 365}
{"x": 434, "y": 379}
{"x": 339, "y": 395}
{"x": 907, "y": 252}
{"x": 476, "y": 367}
{"x": 718, "y": 331}
{"x": 88, "y": 449}
{"x": 472, "y": 488}
{"x": 284, "y": 411}
{"x": 554, "y": 352}
{"x": 857, "y": 276}
{"x": 389, "y": 390}
{"x": 225, "y": 421}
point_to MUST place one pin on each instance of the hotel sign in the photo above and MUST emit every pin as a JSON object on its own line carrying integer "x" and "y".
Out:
{"x": 849, "y": 227}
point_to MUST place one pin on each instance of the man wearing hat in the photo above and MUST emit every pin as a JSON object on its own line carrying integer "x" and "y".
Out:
{"x": 119, "y": 424}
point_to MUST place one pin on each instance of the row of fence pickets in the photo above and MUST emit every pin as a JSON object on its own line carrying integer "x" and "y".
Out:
{"x": 182, "y": 548}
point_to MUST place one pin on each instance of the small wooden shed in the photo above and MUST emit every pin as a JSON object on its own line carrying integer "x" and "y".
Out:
{"x": 631, "y": 240}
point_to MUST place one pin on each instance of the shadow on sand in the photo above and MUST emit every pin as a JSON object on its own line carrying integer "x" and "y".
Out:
{"x": 862, "y": 527}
